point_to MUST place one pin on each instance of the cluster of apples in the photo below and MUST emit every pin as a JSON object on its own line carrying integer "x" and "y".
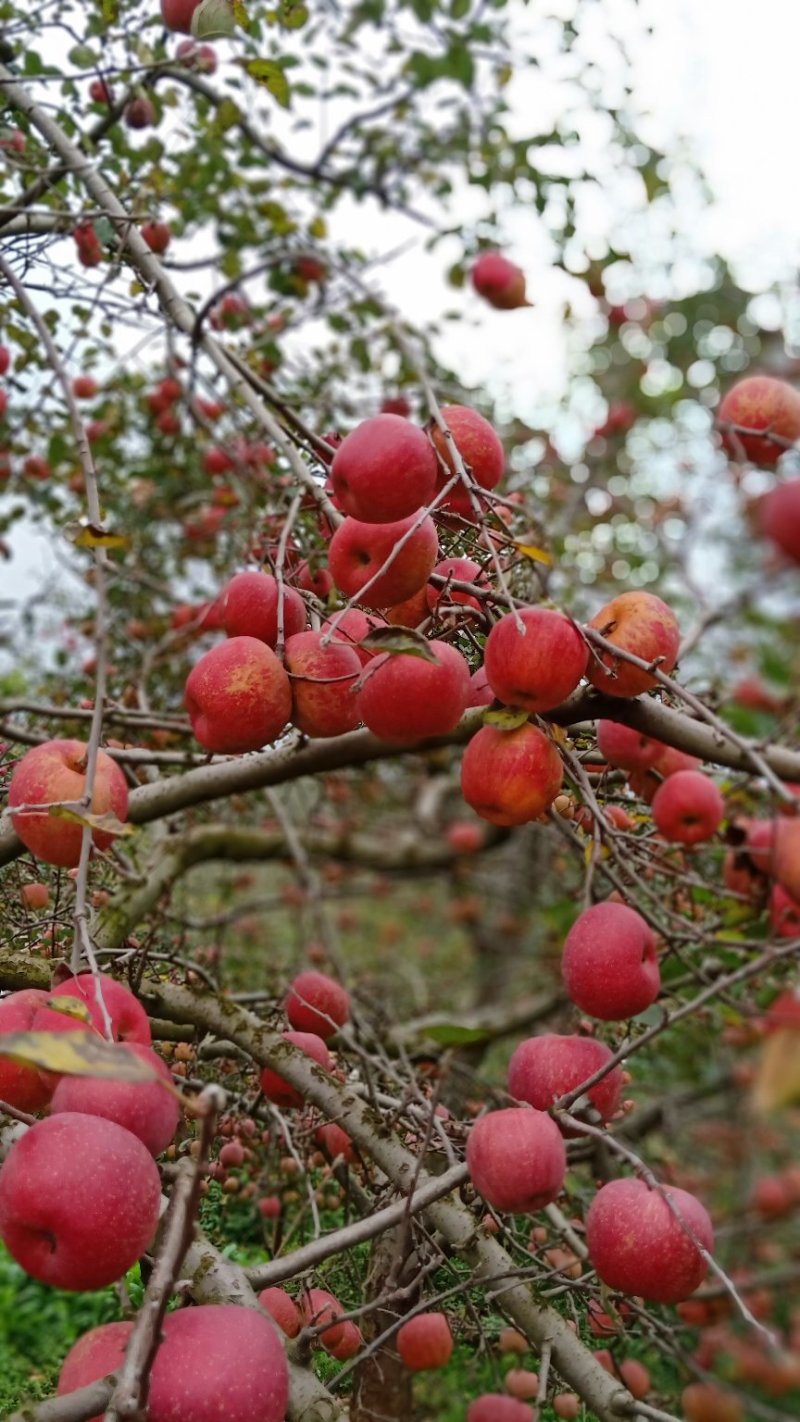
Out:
{"x": 687, "y": 806}
{"x": 759, "y": 419}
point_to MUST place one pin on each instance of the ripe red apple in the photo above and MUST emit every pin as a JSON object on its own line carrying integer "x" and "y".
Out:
{"x": 35, "y": 896}
{"x": 157, "y": 235}
{"x": 780, "y": 853}
{"x": 460, "y": 570}
{"x": 208, "y": 1353}
{"x": 90, "y": 249}
{"x": 349, "y": 1343}
{"x": 84, "y": 387}
{"x": 464, "y": 836}
{"x": 129, "y": 1021}
{"x": 323, "y": 679}
{"x": 638, "y": 1246}
{"x": 238, "y": 697}
{"x": 411, "y": 612}
{"x": 625, "y": 747}
{"x": 779, "y": 517}
{"x": 318, "y": 1306}
{"x": 425, "y": 1342}
{"x": 516, "y": 1159}
{"x": 522, "y": 1383}
{"x": 705, "y": 1402}
{"x": 139, "y": 112}
{"x": 177, "y": 14}
{"x": 279, "y": 1091}
{"x": 784, "y": 916}
{"x": 100, "y": 92}
{"x": 143, "y": 1107}
{"x": 22, "y": 1086}
{"x": 499, "y": 281}
{"x": 765, "y": 406}
{"x": 55, "y": 773}
{"x": 336, "y": 1143}
{"x": 315, "y": 1003}
{"x": 536, "y": 668}
{"x": 688, "y": 808}
{"x": 610, "y": 964}
{"x": 407, "y": 698}
{"x": 249, "y": 608}
{"x": 511, "y": 777}
{"x": 351, "y": 628}
{"x": 391, "y": 405}
{"x": 283, "y": 1309}
{"x": 384, "y": 470}
{"x": 544, "y": 1068}
{"x": 567, "y": 1406}
{"x": 480, "y": 448}
{"x": 79, "y": 1199}
{"x": 359, "y": 550}
{"x": 496, "y": 1407}
{"x": 5, "y": 359}
{"x": 481, "y": 693}
{"x": 640, "y": 623}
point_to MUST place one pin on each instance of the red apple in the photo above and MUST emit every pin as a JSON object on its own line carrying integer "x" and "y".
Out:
{"x": 323, "y": 679}
{"x": 249, "y": 608}
{"x": 511, "y": 777}
{"x": 336, "y": 1143}
{"x": 79, "y": 1199}
{"x": 283, "y": 1309}
{"x": 359, "y": 550}
{"x": 638, "y": 1246}
{"x": 22, "y": 1086}
{"x": 384, "y": 470}
{"x": 779, "y": 517}
{"x": 784, "y": 916}
{"x": 480, "y": 448}
{"x": 351, "y": 627}
{"x": 238, "y": 697}
{"x": 499, "y": 281}
{"x": 55, "y": 773}
{"x": 139, "y": 112}
{"x": 410, "y": 613}
{"x": 688, "y": 808}
{"x": 464, "y": 836}
{"x": 318, "y": 1306}
{"x": 625, "y": 747}
{"x": 35, "y": 896}
{"x": 460, "y": 570}
{"x": 496, "y": 1407}
{"x": 407, "y": 698}
{"x": 539, "y": 666}
{"x": 610, "y": 964}
{"x": 544, "y": 1068}
{"x": 84, "y": 387}
{"x": 764, "y": 406}
{"x": 425, "y": 1342}
{"x": 348, "y": 1345}
{"x": 522, "y": 1383}
{"x": 279, "y": 1091}
{"x": 567, "y": 1406}
{"x": 177, "y": 14}
{"x": 5, "y": 359}
{"x": 143, "y": 1107}
{"x": 391, "y": 405}
{"x": 516, "y": 1159}
{"x": 90, "y": 250}
{"x": 157, "y": 235}
{"x": 705, "y": 1402}
{"x": 640, "y": 623}
{"x": 129, "y": 1021}
{"x": 481, "y": 693}
{"x": 315, "y": 1003}
{"x": 196, "y": 56}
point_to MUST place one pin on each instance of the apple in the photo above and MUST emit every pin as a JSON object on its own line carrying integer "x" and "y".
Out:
{"x": 280, "y": 1306}
{"x": 481, "y": 693}
{"x": 22, "y": 1086}
{"x": 511, "y": 777}
{"x": 349, "y": 1343}
{"x": 384, "y": 470}
{"x": 323, "y": 679}
{"x": 208, "y": 1353}
{"x": 499, "y": 281}
{"x": 314, "y": 578}
{"x": 460, "y": 570}
{"x": 177, "y": 14}
{"x": 336, "y": 1143}
{"x": 638, "y": 1246}
{"x": 79, "y": 1201}
{"x": 688, "y": 808}
{"x": 249, "y": 608}
{"x": 238, "y": 696}
{"x": 100, "y": 92}
{"x": 281, "y": 1092}
{"x": 496, "y": 1407}
{"x": 310, "y": 269}
{"x": 779, "y": 517}
{"x": 534, "y": 658}
{"x": 610, "y": 964}
{"x": 626, "y": 748}
{"x": 359, "y": 550}
{"x": 5, "y": 359}
{"x": 407, "y": 698}
{"x": 620, "y": 418}
{"x": 157, "y": 235}
{"x": 640, "y": 623}
{"x": 410, "y": 613}
{"x": 522, "y": 1383}
{"x": 35, "y": 896}
{"x": 54, "y": 773}
{"x": 480, "y": 448}
{"x": 544, "y": 1068}
{"x": 425, "y": 1342}
{"x": 464, "y": 836}
{"x": 516, "y": 1159}
{"x": 35, "y": 467}
{"x": 317, "y": 1307}
{"x": 705, "y": 1402}
{"x": 784, "y": 916}
{"x": 232, "y": 311}
{"x": 143, "y": 1107}
{"x": 315, "y": 1003}
{"x": 391, "y": 405}
{"x": 139, "y": 112}
{"x": 84, "y": 387}
{"x": 635, "y": 1377}
{"x": 201, "y": 57}
{"x": 351, "y": 627}
{"x": 90, "y": 250}
{"x": 567, "y": 1405}
{"x": 764, "y": 406}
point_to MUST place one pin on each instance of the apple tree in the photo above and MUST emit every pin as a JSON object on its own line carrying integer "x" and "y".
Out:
{"x": 401, "y": 862}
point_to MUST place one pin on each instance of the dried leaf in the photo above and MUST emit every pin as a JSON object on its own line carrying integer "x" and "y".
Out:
{"x": 107, "y": 822}
{"x": 777, "y": 1079}
{"x": 90, "y": 535}
{"x": 505, "y": 718}
{"x": 75, "y": 1054}
{"x": 536, "y": 555}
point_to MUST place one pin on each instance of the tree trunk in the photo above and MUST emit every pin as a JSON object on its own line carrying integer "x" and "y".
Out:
{"x": 382, "y": 1390}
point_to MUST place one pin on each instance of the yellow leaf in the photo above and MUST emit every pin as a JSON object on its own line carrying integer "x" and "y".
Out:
{"x": 777, "y": 1079}
{"x": 89, "y": 535}
{"x": 70, "y": 1007}
{"x": 505, "y": 718}
{"x": 106, "y": 822}
{"x": 536, "y": 555}
{"x": 75, "y": 1054}
{"x": 318, "y": 228}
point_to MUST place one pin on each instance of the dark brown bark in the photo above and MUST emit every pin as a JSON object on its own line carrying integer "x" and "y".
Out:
{"x": 382, "y": 1390}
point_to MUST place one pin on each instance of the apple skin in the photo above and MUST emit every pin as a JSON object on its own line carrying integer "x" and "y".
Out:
{"x": 462, "y": 570}
{"x": 357, "y": 551}
{"x": 688, "y": 808}
{"x": 785, "y": 855}
{"x": 637, "y": 1245}
{"x": 22, "y": 1086}
{"x": 349, "y": 1343}
{"x": 177, "y": 15}
{"x": 626, "y": 748}
{"x": 640, "y": 623}
{"x": 143, "y": 1107}
{"x": 499, "y": 281}
{"x": 279, "y": 1091}
{"x": 129, "y": 1021}
{"x": 79, "y": 1200}
{"x": 411, "y": 612}
{"x": 516, "y": 1159}
{"x": 760, "y": 402}
{"x": 544, "y": 1068}
{"x": 496, "y": 1407}
{"x": 779, "y": 518}
{"x": 54, "y": 772}
{"x": 282, "y": 1307}
{"x": 537, "y": 669}
{"x": 406, "y": 698}
{"x": 208, "y": 1353}
{"x": 238, "y": 697}
{"x": 323, "y": 679}
{"x": 336, "y": 1142}
{"x": 480, "y": 448}
{"x": 481, "y": 693}
{"x": 317, "y": 1306}
{"x": 610, "y": 964}
{"x": 425, "y": 1342}
{"x": 315, "y": 1003}
{"x": 784, "y": 917}
{"x": 510, "y": 777}
{"x": 249, "y": 608}
{"x": 351, "y": 628}
{"x": 384, "y": 470}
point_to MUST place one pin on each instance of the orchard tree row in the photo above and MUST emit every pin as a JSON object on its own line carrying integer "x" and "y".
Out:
{"x": 402, "y": 886}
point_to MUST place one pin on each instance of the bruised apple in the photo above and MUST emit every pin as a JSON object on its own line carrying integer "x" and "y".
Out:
{"x": 534, "y": 658}
{"x": 639, "y": 623}
{"x": 511, "y": 777}
{"x": 610, "y": 964}
{"x": 238, "y": 697}
{"x": 410, "y": 698}
{"x": 384, "y": 470}
{"x": 51, "y": 774}
{"x": 516, "y": 1159}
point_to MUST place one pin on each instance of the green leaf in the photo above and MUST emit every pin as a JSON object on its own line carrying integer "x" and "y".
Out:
{"x": 398, "y": 641}
{"x": 451, "y": 1034}
{"x": 292, "y": 14}
{"x": 227, "y": 116}
{"x": 270, "y": 75}
{"x": 506, "y": 718}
